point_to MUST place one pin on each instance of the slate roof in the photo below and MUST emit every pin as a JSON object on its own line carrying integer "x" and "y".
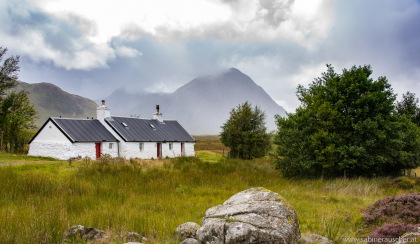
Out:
{"x": 81, "y": 130}
{"x": 144, "y": 130}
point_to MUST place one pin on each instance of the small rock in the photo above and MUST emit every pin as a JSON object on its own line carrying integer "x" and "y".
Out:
{"x": 84, "y": 233}
{"x": 134, "y": 237}
{"x": 314, "y": 238}
{"x": 412, "y": 236}
{"x": 190, "y": 241}
{"x": 186, "y": 230}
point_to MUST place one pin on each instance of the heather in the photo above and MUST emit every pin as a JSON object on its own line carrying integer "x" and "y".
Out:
{"x": 392, "y": 230}
{"x": 393, "y": 216}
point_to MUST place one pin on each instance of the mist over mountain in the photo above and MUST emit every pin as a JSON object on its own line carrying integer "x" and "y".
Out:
{"x": 202, "y": 105}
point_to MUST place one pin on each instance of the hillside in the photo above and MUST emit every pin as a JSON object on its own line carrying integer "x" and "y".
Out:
{"x": 50, "y": 101}
{"x": 203, "y": 104}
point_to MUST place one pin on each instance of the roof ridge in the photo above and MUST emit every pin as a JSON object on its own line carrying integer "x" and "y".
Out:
{"x": 73, "y": 118}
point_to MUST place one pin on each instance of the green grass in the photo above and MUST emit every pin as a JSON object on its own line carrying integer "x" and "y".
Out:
{"x": 7, "y": 158}
{"x": 39, "y": 199}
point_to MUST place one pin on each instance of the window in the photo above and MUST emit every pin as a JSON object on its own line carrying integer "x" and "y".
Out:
{"x": 170, "y": 146}
{"x": 141, "y": 146}
{"x": 111, "y": 145}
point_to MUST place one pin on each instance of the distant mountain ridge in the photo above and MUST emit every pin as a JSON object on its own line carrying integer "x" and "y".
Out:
{"x": 51, "y": 101}
{"x": 203, "y": 104}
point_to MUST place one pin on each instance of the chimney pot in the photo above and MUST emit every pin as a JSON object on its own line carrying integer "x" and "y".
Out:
{"x": 158, "y": 115}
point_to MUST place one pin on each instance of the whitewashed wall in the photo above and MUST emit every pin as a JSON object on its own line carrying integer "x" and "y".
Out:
{"x": 189, "y": 149}
{"x": 59, "y": 150}
{"x": 68, "y": 150}
{"x": 113, "y": 152}
{"x": 132, "y": 150}
{"x": 83, "y": 149}
{"x": 176, "y": 149}
{"x": 171, "y": 153}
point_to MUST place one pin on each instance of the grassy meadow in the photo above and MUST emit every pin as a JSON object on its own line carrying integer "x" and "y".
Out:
{"x": 40, "y": 197}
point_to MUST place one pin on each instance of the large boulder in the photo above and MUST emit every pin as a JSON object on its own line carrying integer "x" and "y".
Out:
{"x": 256, "y": 215}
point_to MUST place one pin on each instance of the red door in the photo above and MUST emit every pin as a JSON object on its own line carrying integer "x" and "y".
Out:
{"x": 98, "y": 150}
{"x": 159, "y": 150}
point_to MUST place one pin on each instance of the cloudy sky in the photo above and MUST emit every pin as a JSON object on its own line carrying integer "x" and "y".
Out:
{"x": 92, "y": 47}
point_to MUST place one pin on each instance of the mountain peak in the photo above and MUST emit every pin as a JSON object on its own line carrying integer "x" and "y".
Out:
{"x": 234, "y": 70}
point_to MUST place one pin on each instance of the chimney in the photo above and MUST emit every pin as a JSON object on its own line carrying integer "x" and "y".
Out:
{"x": 103, "y": 111}
{"x": 158, "y": 116}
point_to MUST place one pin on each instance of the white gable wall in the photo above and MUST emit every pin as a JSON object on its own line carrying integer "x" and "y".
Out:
{"x": 50, "y": 142}
{"x": 51, "y": 133}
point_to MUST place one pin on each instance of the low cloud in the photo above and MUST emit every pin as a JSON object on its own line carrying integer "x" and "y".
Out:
{"x": 278, "y": 43}
{"x": 63, "y": 41}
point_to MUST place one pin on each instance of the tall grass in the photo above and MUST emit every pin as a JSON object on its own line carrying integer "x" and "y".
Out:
{"x": 38, "y": 202}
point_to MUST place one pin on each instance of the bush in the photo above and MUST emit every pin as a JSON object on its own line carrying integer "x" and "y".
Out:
{"x": 393, "y": 216}
{"x": 404, "y": 183}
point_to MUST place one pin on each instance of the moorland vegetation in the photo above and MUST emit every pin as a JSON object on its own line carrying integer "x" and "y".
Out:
{"x": 43, "y": 197}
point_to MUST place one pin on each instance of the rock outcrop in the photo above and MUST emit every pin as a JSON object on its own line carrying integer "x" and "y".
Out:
{"x": 256, "y": 215}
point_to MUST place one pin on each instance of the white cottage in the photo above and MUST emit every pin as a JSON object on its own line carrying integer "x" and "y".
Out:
{"x": 117, "y": 136}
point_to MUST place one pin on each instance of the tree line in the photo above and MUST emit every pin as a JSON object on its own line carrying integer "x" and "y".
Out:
{"x": 17, "y": 115}
{"x": 346, "y": 125}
